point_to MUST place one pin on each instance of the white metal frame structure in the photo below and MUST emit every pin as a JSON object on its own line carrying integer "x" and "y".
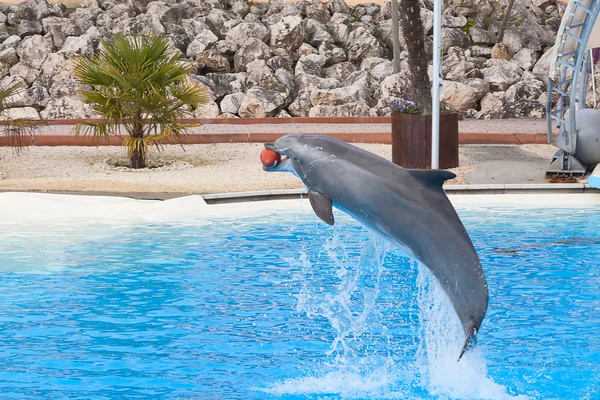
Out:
{"x": 568, "y": 81}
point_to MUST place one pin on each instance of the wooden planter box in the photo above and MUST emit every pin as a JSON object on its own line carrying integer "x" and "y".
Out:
{"x": 411, "y": 140}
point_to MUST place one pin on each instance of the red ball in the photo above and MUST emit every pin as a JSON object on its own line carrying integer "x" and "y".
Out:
{"x": 270, "y": 158}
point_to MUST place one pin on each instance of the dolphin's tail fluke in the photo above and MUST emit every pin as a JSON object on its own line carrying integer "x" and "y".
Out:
{"x": 470, "y": 331}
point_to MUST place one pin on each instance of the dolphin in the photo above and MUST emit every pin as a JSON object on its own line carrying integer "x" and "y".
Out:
{"x": 407, "y": 206}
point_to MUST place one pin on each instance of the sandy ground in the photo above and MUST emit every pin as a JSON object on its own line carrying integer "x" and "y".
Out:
{"x": 213, "y": 168}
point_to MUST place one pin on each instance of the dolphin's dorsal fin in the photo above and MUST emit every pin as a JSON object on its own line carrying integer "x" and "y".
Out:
{"x": 433, "y": 178}
{"x": 322, "y": 206}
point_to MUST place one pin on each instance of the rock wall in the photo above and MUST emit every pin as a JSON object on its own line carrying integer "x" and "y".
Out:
{"x": 281, "y": 59}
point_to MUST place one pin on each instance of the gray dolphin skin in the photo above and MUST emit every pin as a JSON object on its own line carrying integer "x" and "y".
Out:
{"x": 407, "y": 206}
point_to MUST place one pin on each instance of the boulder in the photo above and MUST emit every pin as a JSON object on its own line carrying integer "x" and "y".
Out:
{"x": 318, "y": 11}
{"x": 34, "y": 50}
{"x": 59, "y": 29}
{"x": 542, "y": 68}
{"x": 307, "y": 81}
{"x": 8, "y": 56}
{"x": 232, "y": 102}
{"x": 501, "y": 75}
{"x": 261, "y": 103}
{"x": 222, "y": 21}
{"x": 21, "y": 113}
{"x": 252, "y": 49}
{"x": 395, "y": 86}
{"x": 361, "y": 44}
{"x": 202, "y": 42}
{"x": 332, "y": 53}
{"x": 356, "y": 109}
{"x": 211, "y": 61}
{"x": 312, "y": 64}
{"x": 338, "y": 6}
{"x": 245, "y": 30}
{"x": 454, "y": 37}
{"x": 25, "y": 71}
{"x": 83, "y": 45}
{"x": 224, "y": 84}
{"x": 288, "y": 34}
{"x": 209, "y": 110}
{"x": 459, "y": 95}
{"x": 525, "y": 58}
{"x": 67, "y": 108}
{"x": 28, "y": 28}
{"x": 492, "y": 106}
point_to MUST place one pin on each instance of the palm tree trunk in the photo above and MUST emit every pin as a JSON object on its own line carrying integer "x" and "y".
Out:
{"x": 137, "y": 157}
{"x": 509, "y": 8}
{"x": 396, "y": 36}
{"x": 414, "y": 34}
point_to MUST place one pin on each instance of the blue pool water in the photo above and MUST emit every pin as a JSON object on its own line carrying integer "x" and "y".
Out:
{"x": 283, "y": 306}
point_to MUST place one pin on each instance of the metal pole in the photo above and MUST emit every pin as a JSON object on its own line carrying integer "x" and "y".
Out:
{"x": 435, "y": 95}
{"x": 593, "y": 77}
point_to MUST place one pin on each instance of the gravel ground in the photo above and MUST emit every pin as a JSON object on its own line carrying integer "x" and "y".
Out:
{"x": 212, "y": 168}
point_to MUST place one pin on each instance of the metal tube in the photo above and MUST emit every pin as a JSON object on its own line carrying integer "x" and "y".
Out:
{"x": 435, "y": 95}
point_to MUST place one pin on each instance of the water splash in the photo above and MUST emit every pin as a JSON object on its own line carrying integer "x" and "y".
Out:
{"x": 356, "y": 366}
{"x": 440, "y": 341}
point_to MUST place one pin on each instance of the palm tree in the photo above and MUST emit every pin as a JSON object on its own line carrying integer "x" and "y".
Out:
{"x": 15, "y": 129}
{"x": 418, "y": 60}
{"x": 138, "y": 85}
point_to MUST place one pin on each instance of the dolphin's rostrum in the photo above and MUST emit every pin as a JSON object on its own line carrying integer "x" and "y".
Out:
{"x": 407, "y": 206}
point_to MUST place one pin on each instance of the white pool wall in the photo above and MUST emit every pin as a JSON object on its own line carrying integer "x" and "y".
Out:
{"x": 17, "y": 207}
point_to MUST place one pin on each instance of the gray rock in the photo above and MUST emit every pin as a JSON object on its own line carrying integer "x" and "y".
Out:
{"x": 211, "y": 61}
{"x": 454, "y": 37}
{"x": 261, "y": 103}
{"x": 226, "y": 48}
{"x": 59, "y": 29}
{"x": 245, "y": 30}
{"x": 241, "y": 8}
{"x": 231, "y": 103}
{"x": 316, "y": 33}
{"x": 338, "y": 6}
{"x": 259, "y": 9}
{"x": 12, "y": 41}
{"x": 525, "y": 58}
{"x": 318, "y": 11}
{"x": 83, "y": 45}
{"x": 492, "y": 106}
{"x": 306, "y": 81}
{"x": 480, "y": 51}
{"x": 521, "y": 99}
{"x": 306, "y": 50}
{"x": 332, "y": 53}
{"x": 361, "y": 45}
{"x": 22, "y": 113}
{"x": 209, "y": 110}
{"x": 8, "y": 56}
{"x": 221, "y": 22}
{"x": 370, "y": 9}
{"x": 341, "y": 72}
{"x": 459, "y": 71}
{"x": 84, "y": 18}
{"x": 28, "y": 28}
{"x": 451, "y": 21}
{"x": 356, "y": 109}
{"x": 36, "y": 96}
{"x": 459, "y": 95}
{"x": 542, "y": 67}
{"x": 481, "y": 36}
{"x": 252, "y": 49}
{"x": 67, "y": 108}
{"x": 501, "y": 75}
{"x": 224, "y": 84}
{"x": 34, "y": 50}
{"x": 395, "y": 86}
{"x": 382, "y": 71}
{"x": 201, "y": 43}
{"x": 283, "y": 114}
{"x": 312, "y": 64}
{"x": 288, "y": 34}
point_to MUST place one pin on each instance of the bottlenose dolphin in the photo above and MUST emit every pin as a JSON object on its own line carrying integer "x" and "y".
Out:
{"x": 407, "y": 206}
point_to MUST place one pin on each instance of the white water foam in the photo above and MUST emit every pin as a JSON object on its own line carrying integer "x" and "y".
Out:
{"x": 441, "y": 339}
{"x": 351, "y": 309}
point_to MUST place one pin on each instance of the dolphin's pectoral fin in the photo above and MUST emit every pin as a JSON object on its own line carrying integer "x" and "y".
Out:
{"x": 470, "y": 332}
{"x": 433, "y": 178}
{"x": 322, "y": 206}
